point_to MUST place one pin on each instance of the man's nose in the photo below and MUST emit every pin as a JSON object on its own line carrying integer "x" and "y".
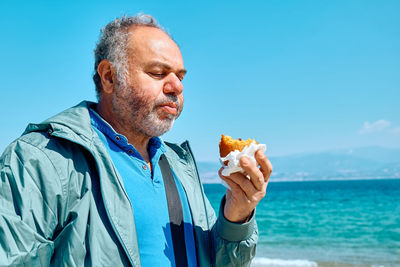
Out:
{"x": 173, "y": 85}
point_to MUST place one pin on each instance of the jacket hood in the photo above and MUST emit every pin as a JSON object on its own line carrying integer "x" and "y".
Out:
{"x": 72, "y": 123}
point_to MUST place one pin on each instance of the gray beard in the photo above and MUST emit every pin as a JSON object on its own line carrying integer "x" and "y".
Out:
{"x": 132, "y": 109}
{"x": 151, "y": 125}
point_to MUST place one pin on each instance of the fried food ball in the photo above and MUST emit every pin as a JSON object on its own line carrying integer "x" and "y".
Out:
{"x": 228, "y": 144}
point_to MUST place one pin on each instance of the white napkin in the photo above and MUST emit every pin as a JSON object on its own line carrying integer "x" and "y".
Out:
{"x": 234, "y": 156}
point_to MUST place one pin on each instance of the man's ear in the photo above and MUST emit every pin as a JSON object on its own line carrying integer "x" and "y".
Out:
{"x": 107, "y": 75}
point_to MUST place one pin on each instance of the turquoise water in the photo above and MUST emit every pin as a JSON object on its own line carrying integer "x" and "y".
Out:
{"x": 327, "y": 223}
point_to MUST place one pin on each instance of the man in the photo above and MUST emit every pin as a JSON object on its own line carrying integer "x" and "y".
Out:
{"x": 96, "y": 186}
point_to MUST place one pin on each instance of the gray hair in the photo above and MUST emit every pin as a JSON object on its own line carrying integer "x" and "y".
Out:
{"x": 112, "y": 45}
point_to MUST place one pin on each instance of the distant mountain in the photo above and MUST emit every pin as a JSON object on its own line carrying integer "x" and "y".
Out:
{"x": 358, "y": 163}
{"x": 380, "y": 154}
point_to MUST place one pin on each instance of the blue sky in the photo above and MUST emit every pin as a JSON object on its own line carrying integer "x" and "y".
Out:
{"x": 300, "y": 76}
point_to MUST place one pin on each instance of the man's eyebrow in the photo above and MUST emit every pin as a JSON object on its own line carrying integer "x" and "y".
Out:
{"x": 166, "y": 66}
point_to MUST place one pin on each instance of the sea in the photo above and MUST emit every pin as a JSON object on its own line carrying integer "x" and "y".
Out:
{"x": 326, "y": 223}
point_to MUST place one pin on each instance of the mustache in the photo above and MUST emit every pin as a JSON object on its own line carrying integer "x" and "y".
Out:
{"x": 167, "y": 100}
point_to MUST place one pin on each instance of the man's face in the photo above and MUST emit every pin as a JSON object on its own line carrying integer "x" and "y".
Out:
{"x": 151, "y": 99}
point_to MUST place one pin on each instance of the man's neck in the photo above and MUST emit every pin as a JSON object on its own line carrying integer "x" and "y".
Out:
{"x": 135, "y": 138}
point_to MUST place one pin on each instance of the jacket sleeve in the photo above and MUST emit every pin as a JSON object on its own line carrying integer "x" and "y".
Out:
{"x": 234, "y": 244}
{"x": 29, "y": 189}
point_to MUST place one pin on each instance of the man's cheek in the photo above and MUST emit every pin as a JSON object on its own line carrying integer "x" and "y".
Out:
{"x": 181, "y": 102}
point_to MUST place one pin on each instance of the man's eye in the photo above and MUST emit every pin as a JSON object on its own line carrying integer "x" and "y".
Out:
{"x": 157, "y": 74}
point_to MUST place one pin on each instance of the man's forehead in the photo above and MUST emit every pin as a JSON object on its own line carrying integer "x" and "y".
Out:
{"x": 149, "y": 44}
{"x": 151, "y": 39}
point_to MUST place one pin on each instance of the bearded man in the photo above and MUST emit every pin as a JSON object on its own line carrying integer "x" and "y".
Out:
{"x": 96, "y": 186}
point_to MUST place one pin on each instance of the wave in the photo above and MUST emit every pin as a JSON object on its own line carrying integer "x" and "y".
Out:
{"x": 266, "y": 262}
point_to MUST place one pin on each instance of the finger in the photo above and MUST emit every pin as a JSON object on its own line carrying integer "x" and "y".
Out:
{"x": 235, "y": 188}
{"x": 256, "y": 176}
{"x": 265, "y": 164}
{"x": 245, "y": 185}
